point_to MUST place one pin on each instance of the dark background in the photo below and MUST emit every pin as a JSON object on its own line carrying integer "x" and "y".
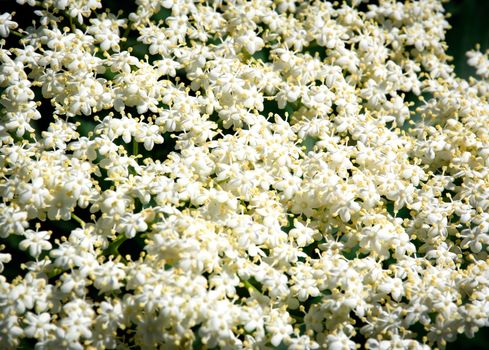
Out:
{"x": 470, "y": 25}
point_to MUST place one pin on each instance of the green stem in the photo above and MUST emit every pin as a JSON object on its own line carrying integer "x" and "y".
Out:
{"x": 248, "y": 285}
{"x": 125, "y": 38}
{"x": 126, "y": 32}
{"x": 54, "y": 272}
{"x": 135, "y": 147}
{"x": 113, "y": 248}
{"x": 72, "y": 25}
{"x": 77, "y": 219}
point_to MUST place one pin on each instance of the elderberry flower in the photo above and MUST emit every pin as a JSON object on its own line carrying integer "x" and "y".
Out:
{"x": 240, "y": 175}
{"x": 6, "y": 24}
{"x": 35, "y": 242}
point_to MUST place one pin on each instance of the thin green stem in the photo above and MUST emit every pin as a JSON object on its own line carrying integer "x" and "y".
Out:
{"x": 125, "y": 38}
{"x": 135, "y": 148}
{"x": 248, "y": 285}
{"x": 113, "y": 248}
{"x": 78, "y": 219}
{"x": 72, "y": 24}
{"x": 55, "y": 272}
{"x": 75, "y": 25}
{"x": 126, "y": 32}
{"x": 16, "y": 33}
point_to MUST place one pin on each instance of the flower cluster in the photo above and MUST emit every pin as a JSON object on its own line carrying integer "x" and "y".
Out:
{"x": 240, "y": 175}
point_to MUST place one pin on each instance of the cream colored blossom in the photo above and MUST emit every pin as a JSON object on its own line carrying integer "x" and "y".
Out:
{"x": 249, "y": 174}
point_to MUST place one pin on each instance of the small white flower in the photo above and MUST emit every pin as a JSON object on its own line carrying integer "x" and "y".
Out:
{"x": 109, "y": 276}
{"x": 133, "y": 223}
{"x": 12, "y": 221}
{"x": 38, "y": 326}
{"x": 6, "y": 24}
{"x": 4, "y": 258}
{"x": 35, "y": 242}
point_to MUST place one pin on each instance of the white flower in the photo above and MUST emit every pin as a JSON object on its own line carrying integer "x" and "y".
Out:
{"x": 339, "y": 342}
{"x": 393, "y": 286}
{"x": 6, "y": 24}
{"x": 106, "y": 31}
{"x": 480, "y": 61}
{"x": 4, "y": 258}
{"x": 38, "y": 326}
{"x": 278, "y": 325}
{"x": 133, "y": 223}
{"x": 35, "y": 242}
{"x": 12, "y": 221}
{"x": 251, "y": 42}
{"x": 285, "y": 203}
{"x": 109, "y": 276}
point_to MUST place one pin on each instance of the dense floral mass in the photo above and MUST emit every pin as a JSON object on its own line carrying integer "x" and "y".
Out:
{"x": 240, "y": 175}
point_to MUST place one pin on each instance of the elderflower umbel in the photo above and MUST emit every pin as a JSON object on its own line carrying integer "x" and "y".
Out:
{"x": 240, "y": 175}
